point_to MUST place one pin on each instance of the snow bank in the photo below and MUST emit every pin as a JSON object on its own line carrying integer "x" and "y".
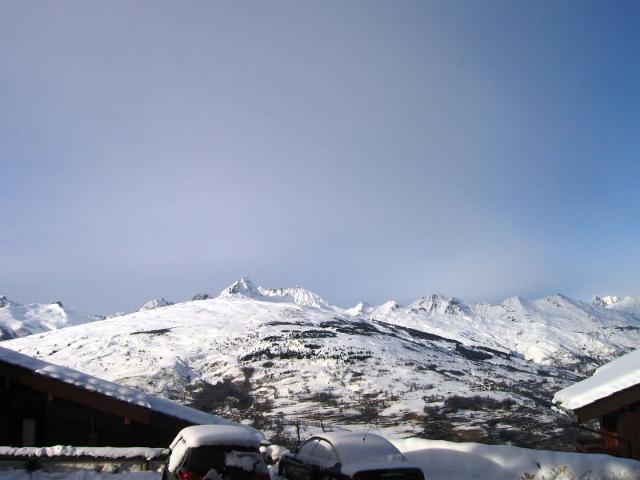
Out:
{"x": 612, "y": 377}
{"x": 442, "y": 460}
{"x": 70, "y": 451}
{"x": 76, "y": 475}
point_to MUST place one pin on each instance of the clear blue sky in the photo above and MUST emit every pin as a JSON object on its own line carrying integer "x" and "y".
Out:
{"x": 365, "y": 150}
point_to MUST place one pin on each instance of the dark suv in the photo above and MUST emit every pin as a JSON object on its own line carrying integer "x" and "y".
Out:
{"x": 216, "y": 452}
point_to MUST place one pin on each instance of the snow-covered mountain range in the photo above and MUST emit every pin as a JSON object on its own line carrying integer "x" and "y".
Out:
{"x": 438, "y": 366}
{"x": 18, "y": 320}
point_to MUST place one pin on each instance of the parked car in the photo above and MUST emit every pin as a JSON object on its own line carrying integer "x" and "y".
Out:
{"x": 347, "y": 456}
{"x": 216, "y": 452}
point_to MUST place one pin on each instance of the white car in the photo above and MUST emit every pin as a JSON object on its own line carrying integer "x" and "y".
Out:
{"x": 347, "y": 456}
{"x": 216, "y": 452}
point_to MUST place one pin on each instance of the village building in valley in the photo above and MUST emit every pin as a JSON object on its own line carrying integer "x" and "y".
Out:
{"x": 611, "y": 396}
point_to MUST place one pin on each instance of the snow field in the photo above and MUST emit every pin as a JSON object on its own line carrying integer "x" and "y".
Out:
{"x": 442, "y": 460}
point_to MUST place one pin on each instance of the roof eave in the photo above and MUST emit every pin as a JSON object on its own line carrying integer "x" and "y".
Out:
{"x": 608, "y": 404}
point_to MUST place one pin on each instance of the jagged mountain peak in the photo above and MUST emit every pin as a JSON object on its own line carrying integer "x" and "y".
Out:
{"x": 155, "y": 303}
{"x": 438, "y": 303}
{"x": 561, "y": 300}
{"x": 389, "y": 306}
{"x": 516, "y": 302}
{"x": 625, "y": 305}
{"x": 375, "y": 311}
{"x": 200, "y": 296}
{"x": 358, "y": 309}
{"x": 298, "y": 295}
{"x": 605, "y": 301}
{"x": 244, "y": 287}
{"x": 5, "y": 302}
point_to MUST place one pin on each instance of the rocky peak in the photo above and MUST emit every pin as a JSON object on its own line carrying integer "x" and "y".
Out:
{"x": 437, "y": 303}
{"x": 244, "y": 287}
{"x": 358, "y": 309}
{"x": 201, "y": 296}
{"x": 156, "y": 303}
{"x": 5, "y": 302}
{"x": 605, "y": 301}
{"x": 297, "y": 295}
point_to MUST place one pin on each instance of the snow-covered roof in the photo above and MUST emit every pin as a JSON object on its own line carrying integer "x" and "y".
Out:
{"x": 110, "y": 389}
{"x": 71, "y": 451}
{"x": 361, "y": 451}
{"x": 199, "y": 435}
{"x": 612, "y": 377}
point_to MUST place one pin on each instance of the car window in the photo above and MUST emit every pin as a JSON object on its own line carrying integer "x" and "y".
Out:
{"x": 305, "y": 453}
{"x": 324, "y": 455}
{"x": 177, "y": 454}
{"x": 203, "y": 459}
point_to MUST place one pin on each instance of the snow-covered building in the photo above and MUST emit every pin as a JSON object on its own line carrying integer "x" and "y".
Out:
{"x": 612, "y": 396}
{"x": 45, "y": 404}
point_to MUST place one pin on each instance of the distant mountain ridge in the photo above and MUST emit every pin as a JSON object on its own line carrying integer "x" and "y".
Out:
{"x": 297, "y": 295}
{"x": 536, "y": 329}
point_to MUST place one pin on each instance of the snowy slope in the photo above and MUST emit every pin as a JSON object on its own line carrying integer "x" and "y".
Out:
{"x": 273, "y": 354}
{"x": 626, "y": 305}
{"x": 554, "y": 330}
{"x": 19, "y": 320}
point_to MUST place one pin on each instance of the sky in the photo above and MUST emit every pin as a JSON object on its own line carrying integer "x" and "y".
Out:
{"x": 366, "y": 150}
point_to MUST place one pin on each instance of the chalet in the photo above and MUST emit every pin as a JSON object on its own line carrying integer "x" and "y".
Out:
{"x": 610, "y": 396}
{"x": 43, "y": 404}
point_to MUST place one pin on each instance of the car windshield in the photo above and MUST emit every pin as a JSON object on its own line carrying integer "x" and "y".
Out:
{"x": 368, "y": 449}
{"x": 203, "y": 459}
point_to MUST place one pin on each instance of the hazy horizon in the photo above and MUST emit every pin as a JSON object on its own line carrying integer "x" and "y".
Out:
{"x": 363, "y": 150}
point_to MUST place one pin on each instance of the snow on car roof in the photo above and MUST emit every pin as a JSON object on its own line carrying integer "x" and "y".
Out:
{"x": 110, "y": 389}
{"x": 359, "y": 451}
{"x": 360, "y": 442}
{"x": 200, "y": 435}
{"x": 612, "y": 377}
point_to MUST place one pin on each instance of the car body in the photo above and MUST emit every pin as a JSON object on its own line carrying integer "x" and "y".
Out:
{"x": 347, "y": 455}
{"x": 221, "y": 452}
